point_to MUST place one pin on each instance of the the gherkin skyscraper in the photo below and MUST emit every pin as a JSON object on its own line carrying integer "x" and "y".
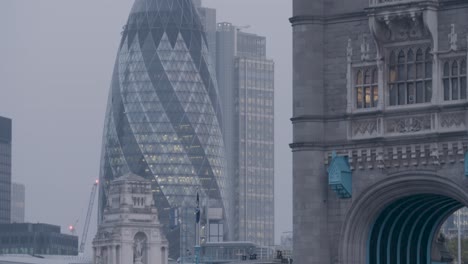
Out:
{"x": 163, "y": 118}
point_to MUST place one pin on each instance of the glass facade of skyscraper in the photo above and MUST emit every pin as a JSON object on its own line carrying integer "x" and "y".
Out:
{"x": 163, "y": 120}
{"x": 255, "y": 156}
{"x": 246, "y": 82}
{"x": 5, "y": 169}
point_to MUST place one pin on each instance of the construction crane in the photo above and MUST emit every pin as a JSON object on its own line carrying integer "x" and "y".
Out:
{"x": 87, "y": 220}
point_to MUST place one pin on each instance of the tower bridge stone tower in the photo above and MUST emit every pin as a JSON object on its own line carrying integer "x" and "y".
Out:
{"x": 380, "y": 128}
{"x": 130, "y": 232}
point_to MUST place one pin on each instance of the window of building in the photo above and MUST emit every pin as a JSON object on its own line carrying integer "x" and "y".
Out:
{"x": 410, "y": 76}
{"x": 366, "y": 88}
{"x": 454, "y": 80}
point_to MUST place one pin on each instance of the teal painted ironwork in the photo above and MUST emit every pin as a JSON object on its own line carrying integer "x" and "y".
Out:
{"x": 401, "y": 221}
{"x": 388, "y": 233}
{"x": 427, "y": 226}
{"x": 398, "y": 208}
{"x": 340, "y": 176}
{"x": 404, "y": 230}
{"x": 375, "y": 238}
{"x": 466, "y": 164}
{"x": 414, "y": 215}
{"x": 416, "y": 229}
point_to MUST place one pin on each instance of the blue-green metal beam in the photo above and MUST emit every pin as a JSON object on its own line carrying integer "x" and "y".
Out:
{"x": 404, "y": 231}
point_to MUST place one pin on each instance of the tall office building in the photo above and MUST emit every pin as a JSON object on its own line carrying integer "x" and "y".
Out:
{"x": 208, "y": 20}
{"x": 163, "y": 120}
{"x": 18, "y": 196}
{"x": 5, "y": 169}
{"x": 246, "y": 82}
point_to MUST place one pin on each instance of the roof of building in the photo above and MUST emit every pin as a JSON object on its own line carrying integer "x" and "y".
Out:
{"x": 28, "y": 227}
{"x": 130, "y": 177}
{"x": 28, "y": 259}
{"x": 230, "y": 243}
{"x": 5, "y": 129}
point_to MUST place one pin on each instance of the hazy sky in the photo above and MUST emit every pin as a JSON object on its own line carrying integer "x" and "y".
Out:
{"x": 56, "y": 60}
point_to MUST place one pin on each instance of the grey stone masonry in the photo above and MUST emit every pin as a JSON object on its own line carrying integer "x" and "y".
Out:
{"x": 384, "y": 83}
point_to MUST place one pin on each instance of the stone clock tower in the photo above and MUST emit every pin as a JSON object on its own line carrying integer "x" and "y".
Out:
{"x": 130, "y": 231}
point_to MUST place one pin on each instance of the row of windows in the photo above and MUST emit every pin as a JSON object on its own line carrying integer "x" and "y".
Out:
{"x": 454, "y": 80}
{"x": 409, "y": 79}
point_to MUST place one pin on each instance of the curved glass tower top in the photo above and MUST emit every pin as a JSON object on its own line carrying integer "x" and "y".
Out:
{"x": 163, "y": 117}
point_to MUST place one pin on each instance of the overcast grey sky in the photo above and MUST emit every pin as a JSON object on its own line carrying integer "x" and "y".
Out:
{"x": 56, "y": 60}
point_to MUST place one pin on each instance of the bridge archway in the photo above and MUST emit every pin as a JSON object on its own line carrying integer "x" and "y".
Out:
{"x": 397, "y": 219}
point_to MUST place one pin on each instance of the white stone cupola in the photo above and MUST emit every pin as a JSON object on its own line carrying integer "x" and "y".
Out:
{"x": 130, "y": 231}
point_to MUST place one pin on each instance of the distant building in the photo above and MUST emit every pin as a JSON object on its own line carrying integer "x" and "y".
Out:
{"x": 246, "y": 83}
{"x": 18, "y": 197}
{"x": 208, "y": 21}
{"x": 36, "y": 239}
{"x": 42, "y": 259}
{"x": 5, "y": 169}
{"x": 450, "y": 227}
{"x": 286, "y": 246}
{"x": 287, "y": 239}
{"x": 197, "y": 3}
{"x": 233, "y": 252}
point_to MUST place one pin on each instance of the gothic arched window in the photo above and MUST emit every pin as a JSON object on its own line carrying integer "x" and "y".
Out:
{"x": 410, "y": 76}
{"x": 454, "y": 80}
{"x": 366, "y": 87}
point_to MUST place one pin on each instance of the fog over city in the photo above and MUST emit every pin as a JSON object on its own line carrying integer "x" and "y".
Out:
{"x": 56, "y": 62}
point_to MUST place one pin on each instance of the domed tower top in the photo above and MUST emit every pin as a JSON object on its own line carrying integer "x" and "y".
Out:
{"x": 163, "y": 14}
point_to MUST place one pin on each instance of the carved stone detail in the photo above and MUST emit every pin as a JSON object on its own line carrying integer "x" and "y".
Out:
{"x": 445, "y": 122}
{"x": 365, "y": 48}
{"x": 407, "y": 20}
{"x": 349, "y": 51}
{"x": 404, "y": 156}
{"x": 401, "y": 26}
{"x": 408, "y": 124}
{"x": 453, "y": 38}
{"x": 386, "y": 2}
{"x": 453, "y": 120}
{"x": 365, "y": 127}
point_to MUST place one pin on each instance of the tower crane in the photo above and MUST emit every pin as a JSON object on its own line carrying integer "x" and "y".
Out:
{"x": 84, "y": 235}
{"x": 88, "y": 216}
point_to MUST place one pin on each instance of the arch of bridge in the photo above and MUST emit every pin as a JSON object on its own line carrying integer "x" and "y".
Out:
{"x": 377, "y": 210}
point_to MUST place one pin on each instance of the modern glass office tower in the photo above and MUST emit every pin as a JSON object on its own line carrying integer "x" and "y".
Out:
{"x": 5, "y": 170}
{"x": 246, "y": 84}
{"x": 163, "y": 120}
{"x": 208, "y": 19}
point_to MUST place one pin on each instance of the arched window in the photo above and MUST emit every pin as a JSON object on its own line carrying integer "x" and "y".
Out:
{"x": 454, "y": 80}
{"x": 410, "y": 76}
{"x": 366, "y": 86}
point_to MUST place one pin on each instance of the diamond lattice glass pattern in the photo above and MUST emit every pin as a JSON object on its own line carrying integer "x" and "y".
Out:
{"x": 163, "y": 118}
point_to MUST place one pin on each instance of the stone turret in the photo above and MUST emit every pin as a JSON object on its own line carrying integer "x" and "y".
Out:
{"x": 130, "y": 231}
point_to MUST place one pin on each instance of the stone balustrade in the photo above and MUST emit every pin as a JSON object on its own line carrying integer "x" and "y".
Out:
{"x": 390, "y": 2}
